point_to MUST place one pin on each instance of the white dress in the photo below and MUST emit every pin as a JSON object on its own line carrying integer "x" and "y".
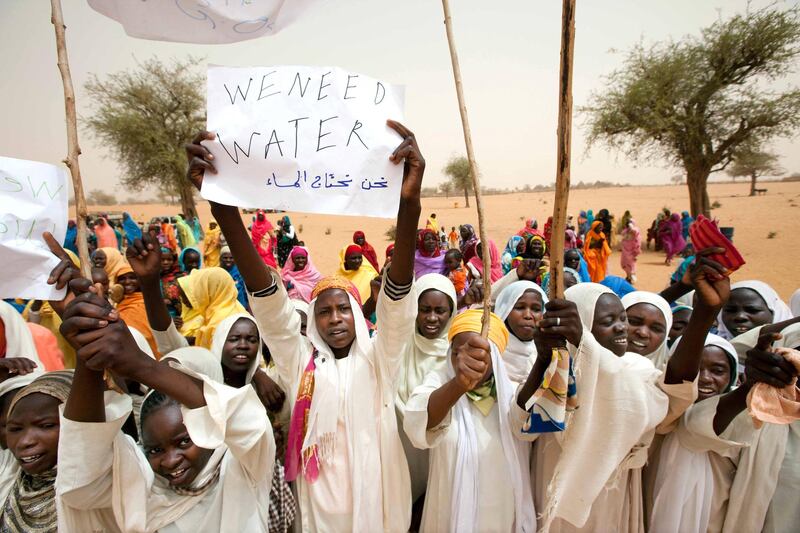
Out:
{"x": 101, "y": 468}
{"x": 496, "y": 510}
{"x": 369, "y": 462}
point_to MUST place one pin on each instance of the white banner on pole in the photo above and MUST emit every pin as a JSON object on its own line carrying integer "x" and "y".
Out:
{"x": 202, "y": 21}
{"x": 308, "y": 139}
{"x": 33, "y": 199}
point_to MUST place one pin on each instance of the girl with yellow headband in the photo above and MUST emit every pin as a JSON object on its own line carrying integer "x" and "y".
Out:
{"x": 478, "y": 477}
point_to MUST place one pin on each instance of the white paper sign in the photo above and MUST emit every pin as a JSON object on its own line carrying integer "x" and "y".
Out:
{"x": 309, "y": 139}
{"x": 202, "y": 21}
{"x": 33, "y": 199}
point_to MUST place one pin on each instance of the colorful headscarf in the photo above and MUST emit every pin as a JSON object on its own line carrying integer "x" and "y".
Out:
{"x": 361, "y": 278}
{"x": 367, "y": 250}
{"x": 183, "y": 254}
{"x": 302, "y": 281}
{"x": 471, "y": 320}
{"x": 132, "y": 229}
{"x": 115, "y": 262}
{"x": 213, "y": 297}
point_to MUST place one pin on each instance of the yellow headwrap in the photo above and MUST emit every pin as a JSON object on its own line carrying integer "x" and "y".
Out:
{"x": 471, "y": 321}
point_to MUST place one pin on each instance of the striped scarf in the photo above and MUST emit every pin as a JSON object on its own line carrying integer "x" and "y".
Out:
{"x": 31, "y": 505}
{"x": 555, "y": 397}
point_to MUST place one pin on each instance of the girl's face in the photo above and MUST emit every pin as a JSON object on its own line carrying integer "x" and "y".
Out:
{"x": 745, "y": 310}
{"x": 300, "y": 262}
{"x": 647, "y": 328}
{"x": 99, "y": 260}
{"x": 129, "y": 282}
{"x": 352, "y": 261}
{"x": 572, "y": 259}
{"x": 715, "y": 373}
{"x": 452, "y": 262}
{"x": 167, "y": 262}
{"x": 429, "y": 242}
{"x": 241, "y": 346}
{"x": 569, "y": 280}
{"x": 32, "y": 433}
{"x": 525, "y": 315}
{"x": 536, "y": 248}
{"x": 226, "y": 260}
{"x": 433, "y": 313}
{"x": 335, "y": 321}
{"x": 169, "y": 449}
{"x": 680, "y": 319}
{"x": 191, "y": 261}
{"x": 610, "y": 326}
{"x": 359, "y": 240}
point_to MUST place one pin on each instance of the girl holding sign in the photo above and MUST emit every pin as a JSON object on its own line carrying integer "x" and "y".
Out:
{"x": 348, "y": 460}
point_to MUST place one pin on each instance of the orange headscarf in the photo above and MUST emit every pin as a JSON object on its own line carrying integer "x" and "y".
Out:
{"x": 132, "y": 311}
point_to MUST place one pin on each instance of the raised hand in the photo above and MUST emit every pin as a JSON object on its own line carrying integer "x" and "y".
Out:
{"x": 15, "y": 366}
{"x": 561, "y": 319}
{"x": 64, "y": 272}
{"x": 414, "y": 164}
{"x": 200, "y": 158}
{"x": 473, "y": 361}
{"x": 765, "y": 364}
{"x": 709, "y": 279}
{"x": 528, "y": 269}
{"x": 144, "y": 256}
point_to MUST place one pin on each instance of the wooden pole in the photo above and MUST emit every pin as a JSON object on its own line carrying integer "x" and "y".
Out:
{"x": 564, "y": 145}
{"x": 462, "y": 107}
{"x": 73, "y": 150}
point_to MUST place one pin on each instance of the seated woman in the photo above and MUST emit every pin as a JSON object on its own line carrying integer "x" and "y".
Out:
{"x": 478, "y": 470}
{"x": 436, "y": 307}
{"x": 207, "y": 449}
{"x": 367, "y": 249}
{"x": 29, "y": 465}
{"x": 353, "y": 268}
{"x": 300, "y": 275}
{"x": 428, "y": 259}
{"x": 343, "y": 449}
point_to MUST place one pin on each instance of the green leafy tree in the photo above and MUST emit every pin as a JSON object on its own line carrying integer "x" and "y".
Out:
{"x": 696, "y": 101}
{"x": 145, "y": 116}
{"x": 98, "y": 197}
{"x": 458, "y": 170}
{"x": 753, "y": 163}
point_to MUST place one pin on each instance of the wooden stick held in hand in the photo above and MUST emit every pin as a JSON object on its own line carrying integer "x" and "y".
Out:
{"x": 73, "y": 150}
{"x": 563, "y": 150}
{"x": 462, "y": 107}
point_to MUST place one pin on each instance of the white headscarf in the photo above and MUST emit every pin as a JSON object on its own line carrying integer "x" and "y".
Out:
{"x": 323, "y": 416}
{"x": 600, "y": 436}
{"x": 780, "y": 311}
{"x": 794, "y": 303}
{"x": 466, "y": 492}
{"x": 221, "y": 335}
{"x": 685, "y": 480}
{"x": 19, "y": 341}
{"x": 417, "y": 360}
{"x": 518, "y": 356}
{"x": 660, "y": 355}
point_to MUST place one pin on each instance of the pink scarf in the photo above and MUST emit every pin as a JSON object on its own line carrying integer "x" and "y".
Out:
{"x": 496, "y": 271}
{"x": 302, "y": 281}
{"x": 298, "y": 425}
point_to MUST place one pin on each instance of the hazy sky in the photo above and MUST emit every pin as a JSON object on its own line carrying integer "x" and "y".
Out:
{"x": 509, "y": 59}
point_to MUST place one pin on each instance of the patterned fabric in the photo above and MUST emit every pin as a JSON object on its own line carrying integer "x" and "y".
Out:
{"x": 31, "y": 505}
{"x": 298, "y": 426}
{"x": 282, "y": 505}
{"x": 336, "y": 282}
{"x": 485, "y": 396}
{"x": 556, "y": 396}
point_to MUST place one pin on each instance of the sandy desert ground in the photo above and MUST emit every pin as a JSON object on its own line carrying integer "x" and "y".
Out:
{"x": 764, "y": 225}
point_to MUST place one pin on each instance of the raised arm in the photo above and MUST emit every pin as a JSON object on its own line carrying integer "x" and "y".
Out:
{"x": 254, "y": 272}
{"x": 401, "y": 271}
{"x": 144, "y": 256}
{"x": 712, "y": 288}
{"x": 105, "y": 343}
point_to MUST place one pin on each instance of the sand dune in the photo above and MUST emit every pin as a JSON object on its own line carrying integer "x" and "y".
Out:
{"x": 773, "y": 259}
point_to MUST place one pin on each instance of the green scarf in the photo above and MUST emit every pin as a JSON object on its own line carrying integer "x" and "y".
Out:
{"x": 484, "y": 396}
